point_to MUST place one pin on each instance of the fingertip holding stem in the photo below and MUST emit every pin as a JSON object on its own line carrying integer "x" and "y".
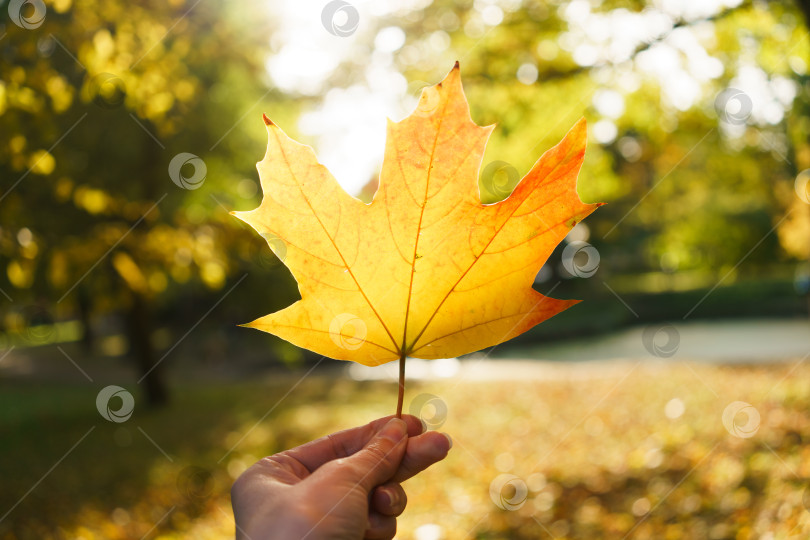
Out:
{"x": 449, "y": 440}
{"x": 395, "y": 430}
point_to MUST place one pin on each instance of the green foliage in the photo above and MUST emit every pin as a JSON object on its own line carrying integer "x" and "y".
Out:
{"x": 94, "y": 104}
{"x": 685, "y": 193}
{"x": 98, "y": 100}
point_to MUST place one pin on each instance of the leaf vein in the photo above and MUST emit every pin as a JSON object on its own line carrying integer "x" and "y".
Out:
{"x": 332, "y": 240}
{"x": 495, "y": 234}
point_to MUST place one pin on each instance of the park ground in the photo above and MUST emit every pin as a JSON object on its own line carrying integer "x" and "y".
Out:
{"x": 614, "y": 443}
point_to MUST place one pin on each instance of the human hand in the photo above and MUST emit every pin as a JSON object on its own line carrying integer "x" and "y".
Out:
{"x": 345, "y": 486}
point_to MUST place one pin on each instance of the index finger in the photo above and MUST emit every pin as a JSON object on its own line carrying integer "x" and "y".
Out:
{"x": 422, "y": 452}
{"x": 345, "y": 443}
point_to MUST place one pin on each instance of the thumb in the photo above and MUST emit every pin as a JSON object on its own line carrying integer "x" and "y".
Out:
{"x": 379, "y": 459}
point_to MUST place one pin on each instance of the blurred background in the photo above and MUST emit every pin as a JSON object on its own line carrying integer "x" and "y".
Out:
{"x": 671, "y": 403}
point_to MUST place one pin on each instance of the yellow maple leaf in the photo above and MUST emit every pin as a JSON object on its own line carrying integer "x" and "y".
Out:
{"x": 425, "y": 270}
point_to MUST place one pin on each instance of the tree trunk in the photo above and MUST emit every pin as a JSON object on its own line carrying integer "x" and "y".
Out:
{"x": 85, "y": 307}
{"x": 140, "y": 345}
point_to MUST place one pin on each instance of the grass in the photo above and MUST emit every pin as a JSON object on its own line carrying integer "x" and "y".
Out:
{"x": 623, "y": 450}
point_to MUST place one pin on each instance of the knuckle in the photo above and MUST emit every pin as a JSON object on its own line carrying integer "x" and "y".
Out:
{"x": 339, "y": 446}
{"x": 377, "y": 452}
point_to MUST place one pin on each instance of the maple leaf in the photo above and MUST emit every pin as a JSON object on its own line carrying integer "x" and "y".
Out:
{"x": 425, "y": 270}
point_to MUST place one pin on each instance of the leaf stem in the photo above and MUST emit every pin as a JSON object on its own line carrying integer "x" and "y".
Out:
{"x": 401, "y": 396}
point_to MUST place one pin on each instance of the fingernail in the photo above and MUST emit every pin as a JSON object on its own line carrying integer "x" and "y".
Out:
{"x": 393, "y": 497}
{"x": 448, "y": 440}
{"x": 394, "y": 430}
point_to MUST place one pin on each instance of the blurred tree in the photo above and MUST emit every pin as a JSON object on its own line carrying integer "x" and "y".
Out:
{"x": 96, "y": 100}
{"x": 698, "y": 175}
